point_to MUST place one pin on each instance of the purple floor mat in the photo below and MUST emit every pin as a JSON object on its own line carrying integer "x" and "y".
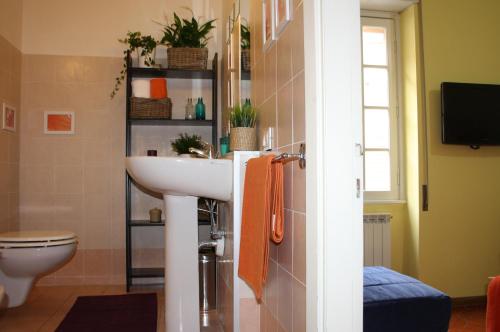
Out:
{"x": 124, "y": 313}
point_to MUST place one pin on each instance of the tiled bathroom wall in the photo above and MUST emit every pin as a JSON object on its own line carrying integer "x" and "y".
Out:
{"x": 75, "y": 182}
{"x": 10, "y": 93}
{"x": 278, "y": 92}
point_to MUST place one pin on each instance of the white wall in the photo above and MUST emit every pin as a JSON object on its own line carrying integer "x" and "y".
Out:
{"x": 92, "y": 27}
{"x": 10, "y": 21}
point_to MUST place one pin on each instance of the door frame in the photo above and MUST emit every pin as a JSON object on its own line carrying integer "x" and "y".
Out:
{"x": 334, "y": 165}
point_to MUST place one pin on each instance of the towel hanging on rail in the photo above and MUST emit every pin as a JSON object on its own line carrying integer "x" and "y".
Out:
{"x": 262, "y": 219}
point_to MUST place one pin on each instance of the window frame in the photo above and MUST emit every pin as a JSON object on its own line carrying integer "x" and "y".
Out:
{"x": 389, "y": 21}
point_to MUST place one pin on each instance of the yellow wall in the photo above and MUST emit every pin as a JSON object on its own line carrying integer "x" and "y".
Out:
{"x": 399, "y": 220}
{"x": 412, "y": 122}
{"x": 459, "y": 236}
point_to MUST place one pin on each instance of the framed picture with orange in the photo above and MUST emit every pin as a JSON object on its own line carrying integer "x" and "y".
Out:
{"x": 282, "y": 14}
{"x": 8, "y": 117}
{"x": 59, "y": 123}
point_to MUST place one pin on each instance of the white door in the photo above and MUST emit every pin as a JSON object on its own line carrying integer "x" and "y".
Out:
{"x": 334, "y": 166}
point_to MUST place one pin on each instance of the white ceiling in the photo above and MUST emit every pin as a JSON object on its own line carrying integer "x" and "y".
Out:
{"x": 387, "y": 5}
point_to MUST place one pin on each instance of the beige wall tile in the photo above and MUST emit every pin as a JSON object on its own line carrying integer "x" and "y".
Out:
{"x": 68, "y": 179}
{"x": 285, "y": 249}
{"x": 4, "y": 147}
{"x": 250, "y": 322}
{"x": 285, "y": 115}
{"x": 299, "y": 247}
{"x": 299, "y": 307}
{"x": 267, "y": 118}
{"x": 97, "y": 263}
{"x": 37, "y": 179}
{"x": 97, "y": 206}
{"x": 35, "y": 150}
{"x": 270, "y": 71}
{"x": 299, "y": 118}
{"x": 284, "y": 58}
{"x": 271, "y": 288}
{"x": 285, "y": 300}
{"x": 14, "y": 146}
{"x": 298, "y": 40}
{"x": 67, "y": 151}
{"x": 299, "y": 186}
{"x": 97, "y": 180}
{"x": 97, "y": 151}
{"x": 36, "y": 210}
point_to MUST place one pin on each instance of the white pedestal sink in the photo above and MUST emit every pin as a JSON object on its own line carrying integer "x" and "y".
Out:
{"x": 182, "y": 181}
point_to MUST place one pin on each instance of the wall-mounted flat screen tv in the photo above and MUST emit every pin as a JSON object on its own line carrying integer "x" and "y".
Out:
{"x": 470, "y": 114}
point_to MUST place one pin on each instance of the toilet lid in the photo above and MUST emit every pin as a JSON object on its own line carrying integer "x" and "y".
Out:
{"x": 31, "y": 239}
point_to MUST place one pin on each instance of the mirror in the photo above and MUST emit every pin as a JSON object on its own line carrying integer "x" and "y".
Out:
{"x": 236, "y": 60}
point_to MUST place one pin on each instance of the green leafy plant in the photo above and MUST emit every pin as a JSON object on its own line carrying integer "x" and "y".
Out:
{"x": 148, "y": 46}
{"x": 245, "y": 37}
{"x": 243, "y": 116}
{"x": 186, "y": 33}
{"x": 135, "y": 42}
{"x": 185, "y": 141}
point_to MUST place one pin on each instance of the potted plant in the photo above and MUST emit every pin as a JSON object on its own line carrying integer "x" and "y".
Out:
{"x": 185, "y": 141}
{"x": 243, "y": 136}
{"x": 143, "y": 46}
{"x": 245, "y": 47}
{"x": 187, "y": 41}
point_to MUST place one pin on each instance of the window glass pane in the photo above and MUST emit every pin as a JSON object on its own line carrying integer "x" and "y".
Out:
{"x": 374, "y": 46}
{"x": 377, "y": 171}
{"x": 376, "y": 87}
{"x": 377, "y": 129}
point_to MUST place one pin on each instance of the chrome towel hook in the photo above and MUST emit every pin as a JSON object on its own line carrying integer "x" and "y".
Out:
{"x": 287, "y": 157}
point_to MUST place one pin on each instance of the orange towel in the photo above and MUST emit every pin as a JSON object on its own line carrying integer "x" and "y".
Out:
{"x": 493, "y": 307}
{"x": 158, "y": 88}
{"x": 277, "y": 214}
{"x": 262, "y": 213}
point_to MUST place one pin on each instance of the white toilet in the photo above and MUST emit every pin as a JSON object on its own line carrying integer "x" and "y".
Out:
{"x": 26, "y": 256}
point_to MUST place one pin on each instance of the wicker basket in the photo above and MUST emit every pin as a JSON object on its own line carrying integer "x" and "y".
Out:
{"x": 145, "y": 108}
{"x": 243, "y": 139}
{"x": 187, "y": 58}
{"x": 245, "y": 59}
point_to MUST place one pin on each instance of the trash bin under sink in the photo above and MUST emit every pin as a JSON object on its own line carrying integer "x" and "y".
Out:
{"x": 206, "y": 268}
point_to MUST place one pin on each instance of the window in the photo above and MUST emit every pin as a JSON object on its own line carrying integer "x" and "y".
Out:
{"x": 380, "y": 110}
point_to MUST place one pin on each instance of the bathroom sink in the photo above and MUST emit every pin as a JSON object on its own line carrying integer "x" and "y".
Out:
{"x": 210, "y": 178}
{"x": 182, "y": 181}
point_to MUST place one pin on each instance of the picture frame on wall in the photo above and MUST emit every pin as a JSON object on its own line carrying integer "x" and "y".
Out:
{"x": 282, "y": 14}
{"x": 59, "y": 123}
{"x": 268, "y": 25}
{"x": 8, "y": 117}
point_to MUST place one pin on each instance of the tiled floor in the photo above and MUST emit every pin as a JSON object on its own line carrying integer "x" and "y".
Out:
{"x": 47, "y": 306}
{"x": 468, "y": 319}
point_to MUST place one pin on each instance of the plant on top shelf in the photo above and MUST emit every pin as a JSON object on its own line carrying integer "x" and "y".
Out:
{"x": 185, "y": 141}
{"x": 243, "y": 135}
{"x": 245, "y": 37}
{"x": 245, "y": 47}
{"x": 144, "y": 46}
{"x": 187, "y": 41}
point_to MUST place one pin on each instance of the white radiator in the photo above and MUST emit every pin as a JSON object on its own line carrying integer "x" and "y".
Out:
{"x": 377, "y": 239}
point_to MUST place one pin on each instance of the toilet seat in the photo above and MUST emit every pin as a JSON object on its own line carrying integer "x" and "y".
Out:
{"x": 36, "y": 239}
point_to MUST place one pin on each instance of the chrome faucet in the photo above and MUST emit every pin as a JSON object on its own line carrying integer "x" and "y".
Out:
{"x": 208, "y": 153}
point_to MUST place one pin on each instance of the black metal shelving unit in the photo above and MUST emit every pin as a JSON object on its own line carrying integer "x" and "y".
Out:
{"x": 132, "y": 72}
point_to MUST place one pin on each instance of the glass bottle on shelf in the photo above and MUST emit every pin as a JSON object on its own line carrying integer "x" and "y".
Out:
{"x": 190, "y": 113}
{"x": 200, "y": 109}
